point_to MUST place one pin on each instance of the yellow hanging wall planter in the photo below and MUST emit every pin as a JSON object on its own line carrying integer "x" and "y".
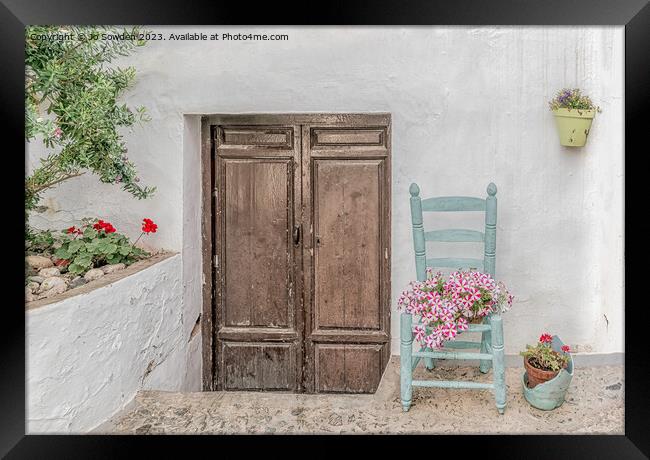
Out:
{"x": 573, "y": 113}
{"x": 573, "y": 125}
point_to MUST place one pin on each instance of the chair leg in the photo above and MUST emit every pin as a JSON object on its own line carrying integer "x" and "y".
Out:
{"x": 406, "y": 360}
{"x": 429, "y": 363}
{"x": 486, "y": 337}
{"x": 498, "y": 364}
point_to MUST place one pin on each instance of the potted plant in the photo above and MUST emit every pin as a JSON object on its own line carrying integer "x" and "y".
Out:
{"x": 574, "y": 113}
{"x": 549, "y": 370}
{"x": 67, "y": 259}
{"x": 447, "y": 305}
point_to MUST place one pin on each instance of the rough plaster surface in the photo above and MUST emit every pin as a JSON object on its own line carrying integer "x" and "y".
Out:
{"x": 469, "y": 106}
{"x": 105, "y": 280}
{"x": 594, "y": 404}
{"x": 192, "y": 255}
{"x": 88, "y": 355}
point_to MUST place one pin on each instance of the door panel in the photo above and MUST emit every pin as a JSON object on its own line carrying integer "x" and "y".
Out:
{"x": 347, "y": 247}
{"x": 259, "y": 327}
{"x": 348, "y": 368}
{"x": 251, "y": 137}
{"x": 358, "y": 140}
{"x": 257, "y": 243}
{"x": 259, "y": 366}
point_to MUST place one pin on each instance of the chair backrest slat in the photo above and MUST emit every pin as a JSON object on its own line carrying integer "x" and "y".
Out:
{"x": 453, "y": 204}
{"x": 455, "y": 235}
{"x": 455, "y": 263}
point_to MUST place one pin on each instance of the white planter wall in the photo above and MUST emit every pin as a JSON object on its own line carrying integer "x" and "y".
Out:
{"x": 469, "y": 106}
{"x": 88, "y": 355}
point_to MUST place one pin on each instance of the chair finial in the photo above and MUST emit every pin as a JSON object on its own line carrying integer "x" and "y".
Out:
{"x": 492, "y": 189}
{"x": 414, "y": 190}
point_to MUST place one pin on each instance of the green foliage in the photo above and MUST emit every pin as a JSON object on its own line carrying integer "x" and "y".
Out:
{"x": 542, "y": 356}
{"x": 71, "y": 101}
{"x": 572, "y": 99}
{"x": 38, "y": 242}
{"x": 84, "y": 248}
{"x": 94, "y": 248}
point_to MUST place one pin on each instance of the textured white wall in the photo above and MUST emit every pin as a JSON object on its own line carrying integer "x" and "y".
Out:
{"x": 192, "y": 255}
{"x": 469, "y": 106}
{"x": 88, "y": 355}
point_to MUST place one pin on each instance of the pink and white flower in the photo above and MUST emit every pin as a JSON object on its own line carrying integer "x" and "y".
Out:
{"x": 445, "y": 305}
{"x": 474, "y": 295}
{"x": 419, "y": 332}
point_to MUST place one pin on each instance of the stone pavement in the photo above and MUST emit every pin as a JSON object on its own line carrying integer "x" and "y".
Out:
{"x": 595, "y": 404}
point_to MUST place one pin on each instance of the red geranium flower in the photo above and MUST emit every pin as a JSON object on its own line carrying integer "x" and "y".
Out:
{"x": 148, "y": 226}
{"x": 566, "y": 349}
{"x": 74, "y": 230}
{"x": 545, "y": 338}
{"x": 106, "y": 226}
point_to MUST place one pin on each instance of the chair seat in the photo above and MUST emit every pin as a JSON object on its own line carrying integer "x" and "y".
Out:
{"x": 450, "y": 355}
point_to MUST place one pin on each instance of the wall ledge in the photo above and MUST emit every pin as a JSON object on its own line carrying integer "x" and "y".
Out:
{"x": 105, "y": 280}
{"x": 89, "y": 354}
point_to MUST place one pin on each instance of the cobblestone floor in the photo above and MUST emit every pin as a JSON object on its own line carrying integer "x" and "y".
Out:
{"x": 594, "y": 404}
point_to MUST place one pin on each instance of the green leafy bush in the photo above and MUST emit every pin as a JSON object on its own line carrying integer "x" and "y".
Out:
{"x": 71, "y": 100}
{"x": 93, "y": 244}
{"x": 39, "y": 241}
{"x": 93, "y": 247}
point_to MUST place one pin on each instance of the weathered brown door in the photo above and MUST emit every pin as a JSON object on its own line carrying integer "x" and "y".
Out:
{"x": 302, "y": 252}
{"x": 259, "y": 333}
{"x": 346, "y": 256}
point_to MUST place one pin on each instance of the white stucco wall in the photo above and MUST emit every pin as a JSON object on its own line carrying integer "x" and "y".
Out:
{"x": 89, "y": 354}
{"x": 192, "y": 256}
{"x": 469, "y": 106}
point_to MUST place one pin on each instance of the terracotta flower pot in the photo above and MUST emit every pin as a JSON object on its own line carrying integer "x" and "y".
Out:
{"x": 550, "y": 394}
{"x": 476, "y": 320}
{"x": 537, "y": 376}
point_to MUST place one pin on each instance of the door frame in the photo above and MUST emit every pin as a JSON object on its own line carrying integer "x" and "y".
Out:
{"x": 208, "y": 232}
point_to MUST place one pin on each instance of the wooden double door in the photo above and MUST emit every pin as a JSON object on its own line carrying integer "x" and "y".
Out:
{"x": 301, "y": 221}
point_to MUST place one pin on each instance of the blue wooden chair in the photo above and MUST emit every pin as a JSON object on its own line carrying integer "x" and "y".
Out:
{"x": 491, "y": 352}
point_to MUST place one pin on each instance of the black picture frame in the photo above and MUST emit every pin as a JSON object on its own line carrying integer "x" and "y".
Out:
{"x": 633, "y": 14}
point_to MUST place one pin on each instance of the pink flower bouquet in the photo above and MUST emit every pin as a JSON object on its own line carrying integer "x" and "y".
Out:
{"x": 446, "y": 306}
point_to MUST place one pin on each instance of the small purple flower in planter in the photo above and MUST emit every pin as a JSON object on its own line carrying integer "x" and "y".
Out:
{"x": 572, "y": 99}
